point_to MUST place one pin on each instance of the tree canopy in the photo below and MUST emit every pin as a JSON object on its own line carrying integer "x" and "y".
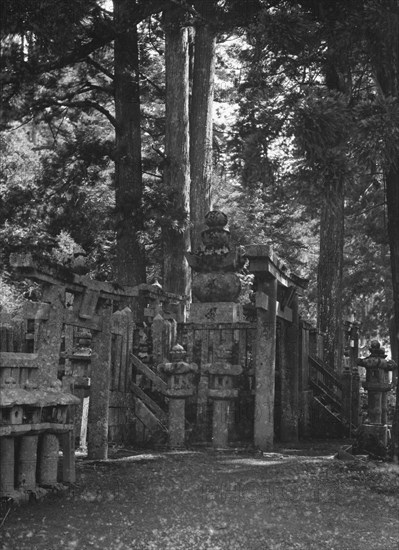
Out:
{"x": 304, "y": 126}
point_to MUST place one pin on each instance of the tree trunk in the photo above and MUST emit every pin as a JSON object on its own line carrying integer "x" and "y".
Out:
{"x": 392, "y": 197}
{"x": 329, "y": 275}
{"x": 176, "y": 236}
{"x": 201, "y": 129}
{"x": 130, "y": 257}
{"x": 386, "y": 66}
{"x": 330, "y": 268}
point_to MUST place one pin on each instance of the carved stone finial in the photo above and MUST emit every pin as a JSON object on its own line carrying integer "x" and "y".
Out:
{"x": 178, "y": 353}
{"x": 216, "y": 218}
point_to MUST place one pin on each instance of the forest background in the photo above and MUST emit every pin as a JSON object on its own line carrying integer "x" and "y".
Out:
{"x": 124, "y": 122}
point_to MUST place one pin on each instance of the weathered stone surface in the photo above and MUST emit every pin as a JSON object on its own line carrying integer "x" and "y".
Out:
{"x": 32, "y": 396}
{"x": 216, "y": 287}
{"x": 215, "y": 263}
{"x": 48, "y": 464}
{"x": 216, "y": 312}
{"x": 220, "y": 424}
{"x": 27, "y": 459}
{"x": 377, "y": 380}
{"x": 265, "y": 363}
{"x": 7, "y": 461}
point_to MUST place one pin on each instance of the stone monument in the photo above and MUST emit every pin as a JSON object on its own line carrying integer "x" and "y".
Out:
{"x": 216, "y": 286}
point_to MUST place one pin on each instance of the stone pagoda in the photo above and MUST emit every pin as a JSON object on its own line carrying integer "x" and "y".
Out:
{"x": 216, "y": 286}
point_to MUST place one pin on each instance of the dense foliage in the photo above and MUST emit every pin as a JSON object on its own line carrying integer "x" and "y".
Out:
{"x": 278, "y": 129}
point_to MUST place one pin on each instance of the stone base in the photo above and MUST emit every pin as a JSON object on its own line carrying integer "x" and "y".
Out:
{"x": 215, "y": 312}
{"x": 379, "y": 431}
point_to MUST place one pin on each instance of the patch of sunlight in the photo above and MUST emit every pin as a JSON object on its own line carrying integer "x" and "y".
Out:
{"x": 136, "y": 458}
{"x": 183, "y": 452}
{"x": 274, "y": 460}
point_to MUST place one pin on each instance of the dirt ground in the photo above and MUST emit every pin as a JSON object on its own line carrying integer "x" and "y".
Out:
{"x": 291, "y": 499}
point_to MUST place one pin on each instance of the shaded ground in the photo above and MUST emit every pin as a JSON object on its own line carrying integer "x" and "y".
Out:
{"x": 204, "y": 500}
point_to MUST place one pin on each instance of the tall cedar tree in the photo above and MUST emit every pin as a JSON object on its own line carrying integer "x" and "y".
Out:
{"x": 130, "y": 259}
{"x": 201, "y": 120}
{"x": 384, "y": 54}
{"x": 176, "y": 237}
{"x": 66, "y": 35}
{"x": 331, "y": 255}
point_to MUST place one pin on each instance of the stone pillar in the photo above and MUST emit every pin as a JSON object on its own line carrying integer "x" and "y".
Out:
{"x": 48, "y": 462}
{"x": 68, "y": 457}
{"x": 265, "y": 362}
{"x": 27, "y": 460}
{"x": 49, "y": 334}
{"x": 316, "y": 343}
{"x": 346, "y": 380}
{"x": 176, "y": 422}
{"x": 355, "y": 396}
{"x": 157, "y": 331}
{"x": 374, "y": 406}
{"x": 305, "y": 392}
{"x": 354, "y": 353}
{"x": 99, "y": 390}
{"x": 7, "y": 465}
{"x": 289, "y": 364}
{"x": 220, "y": 419}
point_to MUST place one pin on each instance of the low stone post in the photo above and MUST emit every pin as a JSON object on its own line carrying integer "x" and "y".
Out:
{"x": 347, "y": 393}
{"x": 27, "y": 461}
{"x": 305, "y": 391}
{"x": 222, "y": 392}
{"x": 7, "y": 460}
{"x": 179, "y": 375}
{"x": 48, "y": 459}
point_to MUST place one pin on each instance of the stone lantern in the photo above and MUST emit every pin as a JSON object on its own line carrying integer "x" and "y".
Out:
{"x": 179, "y": 375}
{"x": 377, "y": 385}
{"x": 221, "y": 391}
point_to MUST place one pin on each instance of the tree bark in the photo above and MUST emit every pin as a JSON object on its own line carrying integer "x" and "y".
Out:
{"x": 176, "y": 238}
{"x": 130, "y": 257}
{"x": 392, "y": 197}
{"x": 331, "y": 258}
{"x": 201, "y": 129}
{"x": 329, "y": 274}
{"x": 386, "y": 66}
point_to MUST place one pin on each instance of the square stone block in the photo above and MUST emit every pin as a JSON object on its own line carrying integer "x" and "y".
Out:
{"x": 215, "y": 312}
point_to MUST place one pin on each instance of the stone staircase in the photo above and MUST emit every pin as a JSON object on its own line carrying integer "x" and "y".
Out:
{"x": 328, "y": 393}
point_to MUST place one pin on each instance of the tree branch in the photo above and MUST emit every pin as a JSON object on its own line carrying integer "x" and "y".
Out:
{"x": 100, "y": 67}
{"x": 82, "y": 51}
{"x": 160, "y": 90}
{"x": 91, "y": 104}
